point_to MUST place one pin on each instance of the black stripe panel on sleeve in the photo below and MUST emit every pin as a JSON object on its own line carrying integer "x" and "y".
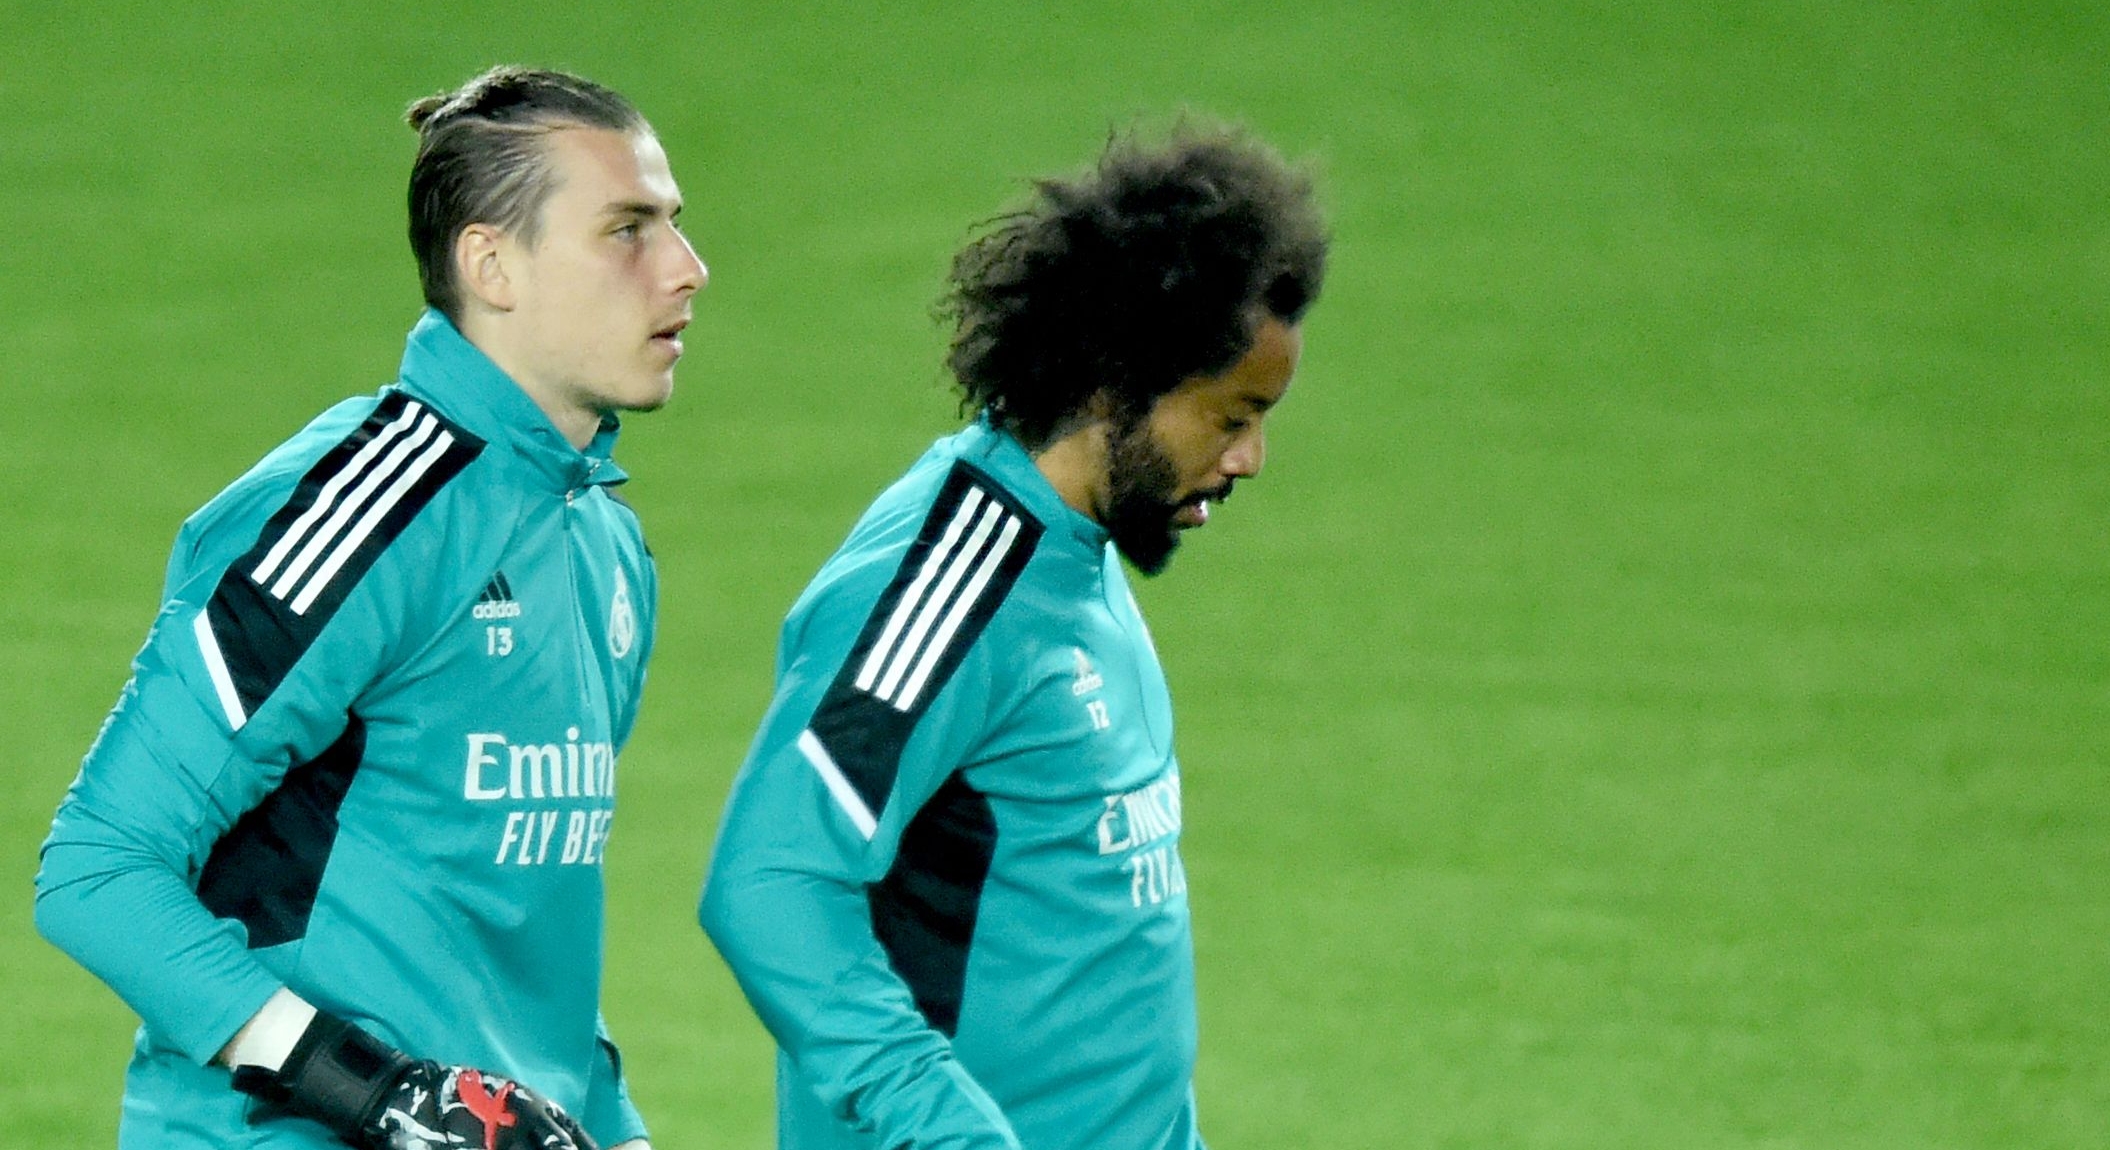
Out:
{"x": 968, "y": 554}
{"x": 265, "y": 871}
{"x": 355, "y": 500}
{"x": 924, "y": 910}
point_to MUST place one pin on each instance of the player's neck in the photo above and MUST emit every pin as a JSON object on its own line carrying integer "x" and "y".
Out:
{"x": 1075, "y": 465}
{"x": 576, "y": 422}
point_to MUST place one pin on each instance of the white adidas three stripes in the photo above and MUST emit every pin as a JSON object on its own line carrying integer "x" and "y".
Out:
{"x": 416, "y": 448}
{"x": 893, "y": 672}
{"x": 348, "y": 508}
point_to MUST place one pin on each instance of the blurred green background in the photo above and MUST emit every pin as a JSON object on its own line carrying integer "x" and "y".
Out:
{"x": 1659, "y": 696}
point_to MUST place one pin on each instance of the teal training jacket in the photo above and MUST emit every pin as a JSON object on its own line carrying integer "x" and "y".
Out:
{"x": 368, "y": 752}
{"x": 948, "y": 876}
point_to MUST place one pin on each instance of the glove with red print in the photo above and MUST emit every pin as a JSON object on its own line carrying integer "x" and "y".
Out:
{"x": 378, "y": 1098}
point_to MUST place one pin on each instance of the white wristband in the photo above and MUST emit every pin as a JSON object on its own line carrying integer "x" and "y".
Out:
{"x": 269, "y": 1036}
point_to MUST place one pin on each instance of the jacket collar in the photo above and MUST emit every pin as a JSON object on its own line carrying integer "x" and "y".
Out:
{"x": 444, "y": 368}
{"x": 1009, "y": 463}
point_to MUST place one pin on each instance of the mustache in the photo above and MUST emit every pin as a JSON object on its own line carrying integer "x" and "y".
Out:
{"x": 1220, "y": 494}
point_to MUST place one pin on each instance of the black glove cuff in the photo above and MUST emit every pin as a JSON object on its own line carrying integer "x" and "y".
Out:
{"x": 337, "y": 1074}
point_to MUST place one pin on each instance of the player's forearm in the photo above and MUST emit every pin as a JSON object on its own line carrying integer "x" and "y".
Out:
{"x": 802, "y": 949}
{"x": 132, "y": 923}
{"x": 900, "y": 1083}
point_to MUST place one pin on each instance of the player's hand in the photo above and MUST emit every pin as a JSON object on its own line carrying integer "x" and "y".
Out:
{"x": 376, "y": 1097}
{"x": 436, "y": 1107}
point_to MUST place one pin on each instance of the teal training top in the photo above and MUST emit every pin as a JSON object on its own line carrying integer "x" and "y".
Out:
{"x": 948, "y": 876}
{"x": 368, "y": 752}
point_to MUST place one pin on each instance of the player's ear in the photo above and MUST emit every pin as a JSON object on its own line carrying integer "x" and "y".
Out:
{"x": 480, "y": 258}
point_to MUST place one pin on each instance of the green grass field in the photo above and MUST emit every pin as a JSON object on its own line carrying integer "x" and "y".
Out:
{"x": 1658, "y": 698}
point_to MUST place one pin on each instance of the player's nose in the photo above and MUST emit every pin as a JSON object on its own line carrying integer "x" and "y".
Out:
{"x": 1247, "y": 454}
{"x": 690, "y": 275}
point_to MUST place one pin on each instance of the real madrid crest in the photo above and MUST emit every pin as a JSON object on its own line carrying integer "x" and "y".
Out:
{"x": 622, "y": 621}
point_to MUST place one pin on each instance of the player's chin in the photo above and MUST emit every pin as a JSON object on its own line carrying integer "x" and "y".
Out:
{"x": 651, "y": 393}
{"x": 1149, "y": 552}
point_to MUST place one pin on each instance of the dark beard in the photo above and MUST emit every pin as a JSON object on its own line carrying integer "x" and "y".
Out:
{"x": 1140, "y": 498}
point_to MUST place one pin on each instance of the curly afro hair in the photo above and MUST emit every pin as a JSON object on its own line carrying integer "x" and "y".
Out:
{"x": 1153, "y": 266}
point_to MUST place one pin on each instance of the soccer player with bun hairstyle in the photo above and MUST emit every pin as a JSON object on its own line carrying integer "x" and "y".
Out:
{"x": 948, "y": 878}
{"x": 340, "y": 841}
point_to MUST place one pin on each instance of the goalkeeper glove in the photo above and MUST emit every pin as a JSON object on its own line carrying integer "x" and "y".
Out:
{"x": 378, "y": 1098}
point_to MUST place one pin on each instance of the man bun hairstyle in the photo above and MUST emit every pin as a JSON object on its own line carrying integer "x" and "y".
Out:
{"x": 482, "y": 159}
{"x": 1153, "y": 266}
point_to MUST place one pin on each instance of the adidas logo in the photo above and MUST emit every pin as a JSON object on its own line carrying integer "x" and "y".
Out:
{"x": 1087, "y": 680}
{"x": 497, "y": 600}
